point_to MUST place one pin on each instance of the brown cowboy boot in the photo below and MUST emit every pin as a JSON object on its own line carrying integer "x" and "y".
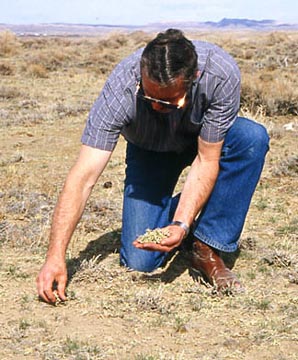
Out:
{"x": 209, "y": 264}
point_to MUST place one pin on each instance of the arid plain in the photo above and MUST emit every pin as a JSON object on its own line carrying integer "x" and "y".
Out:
{"x": 47, "y": 88}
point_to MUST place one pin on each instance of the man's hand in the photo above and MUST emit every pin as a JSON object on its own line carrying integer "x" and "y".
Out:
{"x": 166, "y": 245}
{"x": 52, "y": 271}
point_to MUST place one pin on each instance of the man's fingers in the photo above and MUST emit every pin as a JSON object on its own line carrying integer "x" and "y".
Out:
{"x": 46, "y": 295}
{"x": 61, "y": 289}
{"x": 45, "y": 291}
{"x": 40, "y": 290}
{"x": 42, "y": 296}
{"x": 153, "y": 247}
{"x": 49, "y": 295}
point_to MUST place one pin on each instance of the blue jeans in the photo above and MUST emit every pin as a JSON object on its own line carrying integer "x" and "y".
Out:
{"x": 151, "y": 178}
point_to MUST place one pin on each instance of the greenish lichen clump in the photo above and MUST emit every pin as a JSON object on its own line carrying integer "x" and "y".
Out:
{"x": 154, "y": 236}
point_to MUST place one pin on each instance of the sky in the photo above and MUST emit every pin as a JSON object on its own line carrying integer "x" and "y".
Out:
{"x": 142, "y": 12}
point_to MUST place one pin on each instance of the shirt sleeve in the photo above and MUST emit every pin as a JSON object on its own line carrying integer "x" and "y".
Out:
{"x": 109, "y": 113}
{"x": 222, "y": 110}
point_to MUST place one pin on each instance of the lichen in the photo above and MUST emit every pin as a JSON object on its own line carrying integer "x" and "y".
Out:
{"x": 154, "y": 236}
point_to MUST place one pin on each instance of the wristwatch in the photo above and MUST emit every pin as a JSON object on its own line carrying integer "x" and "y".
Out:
{"x": 182, "y": 225}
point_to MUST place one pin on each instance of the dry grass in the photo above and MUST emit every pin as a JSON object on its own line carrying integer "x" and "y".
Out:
{"x": 9, "y": 44}
{"x": 47, "y": 87}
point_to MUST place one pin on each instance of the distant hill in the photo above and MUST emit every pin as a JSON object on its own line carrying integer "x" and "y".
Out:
{"x": 249, "y": 24}
{"x": 241, "y": 23}
{"x": 91, "y": 29}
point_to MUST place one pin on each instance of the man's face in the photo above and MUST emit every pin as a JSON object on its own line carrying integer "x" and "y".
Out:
{"x": 174, "y": 94}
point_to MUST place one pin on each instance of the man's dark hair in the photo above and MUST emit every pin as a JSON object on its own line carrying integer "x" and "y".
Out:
{"x": 169, "y": 56}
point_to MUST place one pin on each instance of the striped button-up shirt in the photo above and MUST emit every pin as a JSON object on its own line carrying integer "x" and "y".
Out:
{"x": 213, "y": 106}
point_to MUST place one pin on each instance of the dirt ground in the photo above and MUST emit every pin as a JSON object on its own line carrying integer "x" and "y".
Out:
{"x": 112, "y": 313}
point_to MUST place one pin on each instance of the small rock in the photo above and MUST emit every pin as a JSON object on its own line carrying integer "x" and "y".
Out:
{"x": 107, "y": 184}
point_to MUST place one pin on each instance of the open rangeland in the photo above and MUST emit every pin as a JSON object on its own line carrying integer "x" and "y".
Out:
{"x": 47, "y": 87}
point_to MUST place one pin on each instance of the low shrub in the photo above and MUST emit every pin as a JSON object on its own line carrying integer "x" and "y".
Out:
{"x": 9, "y": 92}
{"x": 276, "y": 91}
{"x": 37, "y": 70}
{"x": 9, "y": 43}
{"x": 6, "y": 69}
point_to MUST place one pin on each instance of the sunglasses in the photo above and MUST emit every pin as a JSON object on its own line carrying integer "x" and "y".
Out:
{"x": 165, "y": 104}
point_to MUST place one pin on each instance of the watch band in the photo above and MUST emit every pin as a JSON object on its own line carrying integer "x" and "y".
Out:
{"x": 182, "y": 225}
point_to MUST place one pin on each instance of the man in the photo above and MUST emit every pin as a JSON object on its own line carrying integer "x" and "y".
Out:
{"x": 176, "y": 103}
